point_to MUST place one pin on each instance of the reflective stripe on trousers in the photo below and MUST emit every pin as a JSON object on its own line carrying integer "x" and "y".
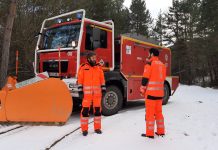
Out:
{"x": 97, "y": 122}
{"x": 160, "y": 126}
{"x": 84, "y": 121}
{"x": 150, "y": 127}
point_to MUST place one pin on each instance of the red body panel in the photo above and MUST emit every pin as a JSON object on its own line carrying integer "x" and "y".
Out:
{"x": 134, "y": 55}
{"x": 175, "y": 83}
{"x": 133, "y": 88}
{"x": 69, "y": 56}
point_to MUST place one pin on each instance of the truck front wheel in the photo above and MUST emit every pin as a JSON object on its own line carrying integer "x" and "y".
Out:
{"x": 112, "y": 101}
{"x": 166, "y": 94}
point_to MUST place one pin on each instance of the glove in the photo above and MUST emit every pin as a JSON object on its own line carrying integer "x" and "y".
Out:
{"x": 142, "y": 90}
{"x": 80, "y": 91}
{"x": 81, "y": 94}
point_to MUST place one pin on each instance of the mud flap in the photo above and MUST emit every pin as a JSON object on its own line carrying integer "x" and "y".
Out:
{"x": 44, "y": 101}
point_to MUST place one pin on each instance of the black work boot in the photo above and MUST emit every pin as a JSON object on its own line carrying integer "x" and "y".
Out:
{"x": 98, "y": 131}
{"x": 159, "y": 134}
{"x": 85, "y": 133}
{"x": 144, "y": 135}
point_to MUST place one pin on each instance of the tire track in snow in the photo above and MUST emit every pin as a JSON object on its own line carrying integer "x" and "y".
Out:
{"x": 9, "y": 130}
{"x": 63, "y": 137}
{"x": 123, "y": 110}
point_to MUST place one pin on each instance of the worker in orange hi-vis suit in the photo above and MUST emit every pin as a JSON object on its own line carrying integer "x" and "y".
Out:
{"x": 91, "y": 86}
{"x": 11, "y": 83}
{"x": 153, "y": 89}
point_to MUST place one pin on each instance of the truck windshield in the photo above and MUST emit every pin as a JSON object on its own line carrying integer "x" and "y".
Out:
{"x": 61, "y": 37}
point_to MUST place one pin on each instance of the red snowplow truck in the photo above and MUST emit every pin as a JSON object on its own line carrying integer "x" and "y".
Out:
{"x": 65, "y": 40}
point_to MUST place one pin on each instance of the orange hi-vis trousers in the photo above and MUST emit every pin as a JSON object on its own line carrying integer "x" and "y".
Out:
{"x": 154, "y": 112}
{"x": 84, "y": 118}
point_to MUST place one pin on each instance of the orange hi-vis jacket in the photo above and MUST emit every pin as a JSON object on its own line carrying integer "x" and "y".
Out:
{"x": 91, "y": 79}
{"x": 153, "y": 77}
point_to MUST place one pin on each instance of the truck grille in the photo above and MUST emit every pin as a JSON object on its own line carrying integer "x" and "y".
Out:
{"x": 53, "y": 66}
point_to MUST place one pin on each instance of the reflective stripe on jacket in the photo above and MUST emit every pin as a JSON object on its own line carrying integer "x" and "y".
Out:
{"x": 91, "y": 79}
{"x": 155, "y": 72}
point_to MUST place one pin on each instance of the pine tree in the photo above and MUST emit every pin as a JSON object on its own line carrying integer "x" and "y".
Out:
{"x": 182, "y": 22}
{"x": 6, "y": 42}
{"x": 4, "y": 5}
{"x": 208, "y": 27}
{"x": 141, "y": 20}
{"x": 95, "y": 9}
{"x": 174, "y": 23}
{"x": 108, "y": 10}
{"x": 159, "y": 30}
{"x": 121, "y": 17}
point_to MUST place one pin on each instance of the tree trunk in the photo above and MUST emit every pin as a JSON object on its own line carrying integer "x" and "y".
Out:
{"x": 214, "y": 68}
{"x": 6, "y": 42}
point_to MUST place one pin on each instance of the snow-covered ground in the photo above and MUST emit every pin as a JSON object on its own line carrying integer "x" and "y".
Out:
{"x": 191, "y": 120}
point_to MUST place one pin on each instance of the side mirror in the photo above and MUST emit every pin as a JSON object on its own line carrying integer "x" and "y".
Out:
{"x": 36, "y": 35}
{"x": 39, "y": 33}
{"x": 96, "y": 38}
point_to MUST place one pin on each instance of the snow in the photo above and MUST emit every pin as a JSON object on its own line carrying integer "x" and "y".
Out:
{"x": 191, "y": 121}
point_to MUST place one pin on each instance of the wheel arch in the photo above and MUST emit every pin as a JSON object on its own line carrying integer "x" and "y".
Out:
{"x": 115, "y": 78}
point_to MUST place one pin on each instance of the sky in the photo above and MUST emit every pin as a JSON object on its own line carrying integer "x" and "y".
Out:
{"x": 154, "y": 6}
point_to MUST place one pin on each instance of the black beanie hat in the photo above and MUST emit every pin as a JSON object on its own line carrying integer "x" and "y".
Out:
{"x": 90, "y": 54}
{"x": 154, "y": 51}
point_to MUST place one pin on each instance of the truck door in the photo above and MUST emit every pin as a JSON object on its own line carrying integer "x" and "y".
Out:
{"x": 99, "y": 39}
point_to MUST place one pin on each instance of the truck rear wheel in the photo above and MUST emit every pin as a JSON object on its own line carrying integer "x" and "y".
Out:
{"x": 166, "y": 94}
{"x": 112, "y": 101}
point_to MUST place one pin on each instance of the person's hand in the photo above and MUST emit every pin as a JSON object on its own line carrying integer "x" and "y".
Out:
{"x": 142, "y": 90}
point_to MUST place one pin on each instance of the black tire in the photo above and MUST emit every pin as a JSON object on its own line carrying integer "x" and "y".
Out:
{"x": 112, "y": 101}
{"x": 166, "y": 94}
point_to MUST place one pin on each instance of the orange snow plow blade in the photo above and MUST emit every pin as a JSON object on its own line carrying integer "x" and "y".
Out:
{"x": 44, "y": 101}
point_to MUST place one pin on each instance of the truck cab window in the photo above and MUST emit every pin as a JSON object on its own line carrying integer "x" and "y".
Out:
{"x": 89, "y": 38}
{"x": 61, "y": 36}
{"x": 103, "y": 41}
